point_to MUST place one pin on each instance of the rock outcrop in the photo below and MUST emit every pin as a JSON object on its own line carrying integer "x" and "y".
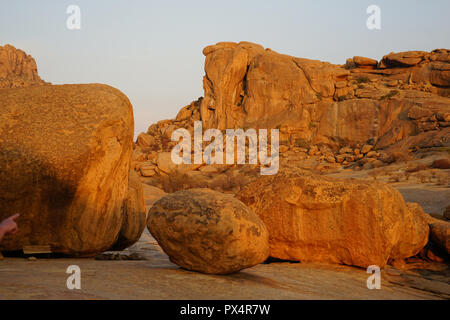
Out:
{"x": 207, "y": 231}
{"x": 65, "y": 156}
{"x": 313, "y": 218}
{"x": 322, "y": 103}
{"x": 17, "y": 69}
{"x": 400, "y": 104}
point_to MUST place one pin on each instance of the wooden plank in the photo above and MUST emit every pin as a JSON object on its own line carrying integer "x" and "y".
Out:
{"x": 37, "y": 249}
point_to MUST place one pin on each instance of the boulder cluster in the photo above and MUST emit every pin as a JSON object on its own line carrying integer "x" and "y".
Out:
{"x": 362, "y": 115}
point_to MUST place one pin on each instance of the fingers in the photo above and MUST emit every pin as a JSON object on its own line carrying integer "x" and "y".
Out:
{"x": 14, "y": 217}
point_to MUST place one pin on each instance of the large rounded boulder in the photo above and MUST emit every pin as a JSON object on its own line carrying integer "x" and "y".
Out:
{"x": 64, "y": 163}
{"x": 314, "y": 218}
{"x": 208, "y": 231}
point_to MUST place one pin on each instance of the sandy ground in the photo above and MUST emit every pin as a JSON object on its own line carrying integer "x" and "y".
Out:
{"x": 157, "y": 278}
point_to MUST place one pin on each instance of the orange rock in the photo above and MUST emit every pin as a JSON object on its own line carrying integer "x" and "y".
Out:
{"x": 17, "y": 69}
{"x": 366, "y": 148}
{"x": 65, "y": 156}
{"x": 417, "y": 112}
{"x": 208, "y": 231}
{"x": 404, "y": 59}
{"x": 145, "y": 140}
{"x": 313, "y": 218}
{"x": 363, "y": 61}
{"x": 441, "y": 164}
{"x": 318, "y": 103}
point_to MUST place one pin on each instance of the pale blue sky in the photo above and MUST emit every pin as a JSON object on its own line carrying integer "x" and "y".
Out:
{"x": 152, "y": 50}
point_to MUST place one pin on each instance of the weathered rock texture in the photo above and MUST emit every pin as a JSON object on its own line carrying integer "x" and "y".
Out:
{"x": 397, "y": 105}
{"x": 207, "y": 231}
{"x": 134, "y": 214}
{"x": 17, "y": 69}
{"x": 64, "y": 164}
{"x": 247, "y": 86}
{"x": 313, "y": 218}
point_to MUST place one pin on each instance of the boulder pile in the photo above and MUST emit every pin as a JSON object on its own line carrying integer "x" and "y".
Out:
{"x": 334, "y": 113}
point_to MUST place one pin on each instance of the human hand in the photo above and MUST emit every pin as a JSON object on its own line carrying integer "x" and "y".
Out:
{"x": 9, "y": 226}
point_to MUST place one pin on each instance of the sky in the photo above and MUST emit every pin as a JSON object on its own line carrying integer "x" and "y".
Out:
{"x": 152, "y": 50}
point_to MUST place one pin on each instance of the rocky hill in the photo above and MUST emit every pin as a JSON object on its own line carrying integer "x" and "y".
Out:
{"x": 17, "y": 69}
{"x": 364, "y": 101}
{"x": 362, "y": 114}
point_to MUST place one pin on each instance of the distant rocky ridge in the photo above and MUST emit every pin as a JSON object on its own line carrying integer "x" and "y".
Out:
{"x": 357, "y": 114}
{"x": 247, "y": 86}
{"x": 17, "y": 69}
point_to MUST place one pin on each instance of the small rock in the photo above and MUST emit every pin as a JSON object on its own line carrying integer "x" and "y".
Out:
{"x": 340, "y": 84}
{"x": 349, "y": 158}
{"x": 345, "y": 150}
{"x": 366, "y": 148}
{"x": 32, "y": 259}
{"x": 377, "y": 163}
{"x": 331, "y": 159}
{"x": 392, "y": 83}
{"x": 417, "y": 112}
{"x": 313, "y": 150}
{"x": 364, "y": 61}
{"x": 148, "y": 171}
{"x": 340, "y": 158}
{"x": 145, "y": 140}
{"x": 441, "y": 163}
{"x": 367, "y": 166}
{"x": 371, "y": 154}
{"x": 283, "y": 148}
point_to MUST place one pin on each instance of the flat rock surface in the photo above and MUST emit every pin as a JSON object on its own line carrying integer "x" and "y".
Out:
{"x": 158, "y": 278}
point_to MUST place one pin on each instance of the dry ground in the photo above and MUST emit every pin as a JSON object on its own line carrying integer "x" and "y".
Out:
{"x": 158, "y": 278}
